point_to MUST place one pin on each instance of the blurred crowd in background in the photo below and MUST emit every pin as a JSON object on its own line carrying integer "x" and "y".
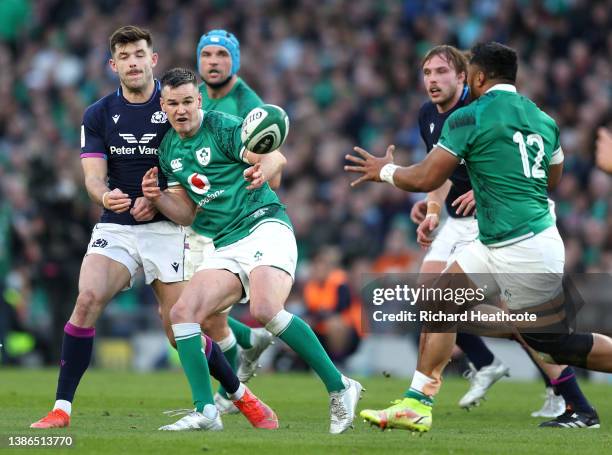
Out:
{"x": 346, "y": 71}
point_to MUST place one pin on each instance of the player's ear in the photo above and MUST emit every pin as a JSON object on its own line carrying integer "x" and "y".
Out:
{"x": 154, "y": 58}
{"x": 113, "y": 65}
{"x": 199, "y": 100}
{"x": 482, "y": 78}
{"x": 462, "y": 77}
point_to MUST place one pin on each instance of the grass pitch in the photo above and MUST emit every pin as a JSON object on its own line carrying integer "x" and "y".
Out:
{"x": 119, "y": 413}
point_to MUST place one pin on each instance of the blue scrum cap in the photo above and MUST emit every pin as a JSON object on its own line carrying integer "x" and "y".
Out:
{"x": 223, "y": 39}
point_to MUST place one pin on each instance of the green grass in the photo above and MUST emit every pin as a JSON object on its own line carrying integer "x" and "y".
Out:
{"x": 119, "y": 413}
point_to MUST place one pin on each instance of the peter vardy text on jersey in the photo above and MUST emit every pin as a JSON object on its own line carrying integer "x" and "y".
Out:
{"x": 141, "y": 149}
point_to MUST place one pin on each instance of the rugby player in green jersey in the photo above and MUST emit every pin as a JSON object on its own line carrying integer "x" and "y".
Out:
{"x": 512, "y": 152}
{"x": 218, "y": 62}
{"x": 254, "y": 254}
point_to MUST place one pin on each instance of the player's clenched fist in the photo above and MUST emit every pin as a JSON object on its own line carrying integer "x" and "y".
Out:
{"x": 116, "y": 201}
{"x": 150, "y": 185}
{"x": 143, "y": 210}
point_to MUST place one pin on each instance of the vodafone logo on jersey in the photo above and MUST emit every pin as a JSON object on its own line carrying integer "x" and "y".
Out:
{"x": 199, "y": 183}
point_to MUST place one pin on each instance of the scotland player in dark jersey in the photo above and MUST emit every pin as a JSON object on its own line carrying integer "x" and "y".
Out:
{"x": 119, "y": 140}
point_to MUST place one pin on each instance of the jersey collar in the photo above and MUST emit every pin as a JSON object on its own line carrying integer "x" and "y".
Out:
{"x": 503, "y": 87}
{"x": 156, "y": 88}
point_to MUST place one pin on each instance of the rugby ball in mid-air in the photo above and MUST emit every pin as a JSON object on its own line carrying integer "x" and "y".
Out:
{"x": 264, "y": 129}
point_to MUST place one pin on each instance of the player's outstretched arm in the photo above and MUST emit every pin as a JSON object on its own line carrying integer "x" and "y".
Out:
{"x": 425, "y": 176}
{"x": 266, "y": 168}
{"x": 96, "y": 174}
{"x": 174, "y": 202}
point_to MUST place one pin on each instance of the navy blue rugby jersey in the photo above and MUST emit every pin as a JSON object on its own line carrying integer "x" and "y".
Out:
{"x": 127, "y": 135}
{"x": 430, "y": 126}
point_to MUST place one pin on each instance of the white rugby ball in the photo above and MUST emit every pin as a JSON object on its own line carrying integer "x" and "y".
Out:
{"x": 264, "y": 129}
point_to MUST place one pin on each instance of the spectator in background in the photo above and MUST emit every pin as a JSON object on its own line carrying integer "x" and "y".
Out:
{"x": 398, "y": 256}
{"x": 333, "y": 309}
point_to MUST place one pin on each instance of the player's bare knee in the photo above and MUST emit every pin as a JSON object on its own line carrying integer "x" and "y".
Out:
{"x": 217, "y": 332}
{"x": 208, "y": 327}
{"x": 264, "y": 311}
{"x": 215, "y": 327}
{"x": 87, "y": 302}
{"x": 182, "y": 312}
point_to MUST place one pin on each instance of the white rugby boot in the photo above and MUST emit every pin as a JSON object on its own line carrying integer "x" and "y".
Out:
{"x": 195, "y": 420}
{"x": 554, "y": 405}
{"x": 343, "y": 406}
{"x": 481, "y": 381}
{"x": 249, "y": 358}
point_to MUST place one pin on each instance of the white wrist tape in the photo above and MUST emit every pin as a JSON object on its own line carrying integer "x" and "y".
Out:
{"x": 557, "y": 157}
{"x": 386, "y": 173}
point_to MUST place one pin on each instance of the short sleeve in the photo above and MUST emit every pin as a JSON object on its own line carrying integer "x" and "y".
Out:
{"x": 458, "y": 131}
{"x": 226, "y": 130}
{"x": 92, "y": 137}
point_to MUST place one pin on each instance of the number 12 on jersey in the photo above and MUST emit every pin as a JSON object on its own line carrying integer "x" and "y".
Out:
{"x": 536, "y": 170}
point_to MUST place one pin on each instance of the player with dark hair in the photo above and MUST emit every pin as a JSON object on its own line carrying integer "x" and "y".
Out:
{"x": 254, "y": 254}
{"x": 120, "y": 137}
{"x": 445, "y": 78}
{"x": 513, "y": 157}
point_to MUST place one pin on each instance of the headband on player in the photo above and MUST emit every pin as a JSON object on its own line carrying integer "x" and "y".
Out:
{"x": 223, "y": 39}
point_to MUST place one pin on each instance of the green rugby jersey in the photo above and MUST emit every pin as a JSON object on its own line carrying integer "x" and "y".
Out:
{"x": 210, "y": 166}
{"x": 240, "y": 100}
{"x": 507, "y": 143}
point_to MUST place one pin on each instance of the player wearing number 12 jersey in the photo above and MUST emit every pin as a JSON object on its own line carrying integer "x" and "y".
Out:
{"x": 445, "y": 80}
{"x": 513, "y": 157}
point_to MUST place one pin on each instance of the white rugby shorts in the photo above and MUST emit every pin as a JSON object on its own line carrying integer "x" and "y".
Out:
{"x": 452, "y": 237}
{"x": 457, "y": 233}
{"x": 196, "y": 249}
{"x": 526, "y": 273}
{"x": 157, "y": 248}
{"x": 272, "y": 243}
